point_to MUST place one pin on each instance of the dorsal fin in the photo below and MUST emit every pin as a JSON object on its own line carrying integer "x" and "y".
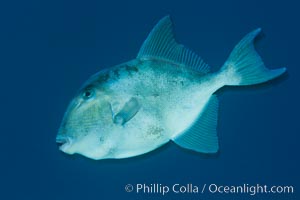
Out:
{"x": 161, "y": 44}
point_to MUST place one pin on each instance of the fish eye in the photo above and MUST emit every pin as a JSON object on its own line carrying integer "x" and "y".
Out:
{"x": 88, "y": 93}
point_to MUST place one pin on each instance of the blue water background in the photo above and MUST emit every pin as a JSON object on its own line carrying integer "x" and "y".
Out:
{"x": 49, "y": 48}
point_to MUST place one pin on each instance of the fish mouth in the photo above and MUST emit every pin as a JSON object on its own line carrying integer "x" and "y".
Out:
{"x": 63, "y": 143}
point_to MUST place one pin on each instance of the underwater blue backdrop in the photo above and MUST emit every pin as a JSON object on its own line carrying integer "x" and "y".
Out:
{"x": 49, "y": 48}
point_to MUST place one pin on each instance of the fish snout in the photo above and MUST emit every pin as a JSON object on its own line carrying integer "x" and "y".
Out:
{"x": 63, "y": 142}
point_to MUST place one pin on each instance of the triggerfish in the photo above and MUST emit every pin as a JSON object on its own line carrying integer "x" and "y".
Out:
{"x": 166, "y": 93}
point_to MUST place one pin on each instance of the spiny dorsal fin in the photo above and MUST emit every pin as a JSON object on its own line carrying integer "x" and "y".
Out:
{"x": 161, "y": 44}
{"x": 202, "y": 135}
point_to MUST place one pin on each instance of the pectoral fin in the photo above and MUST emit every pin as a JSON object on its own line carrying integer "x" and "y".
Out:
{"x": 127, "y": 112}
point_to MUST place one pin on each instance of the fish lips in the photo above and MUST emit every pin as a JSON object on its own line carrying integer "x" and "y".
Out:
{"x": 63, "y": 142}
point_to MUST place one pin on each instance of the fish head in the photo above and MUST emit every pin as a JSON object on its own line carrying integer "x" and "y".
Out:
{"x": 84, "y": 125}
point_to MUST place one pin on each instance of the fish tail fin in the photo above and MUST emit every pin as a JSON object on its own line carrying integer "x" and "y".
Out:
{"x": 244, "y": 65}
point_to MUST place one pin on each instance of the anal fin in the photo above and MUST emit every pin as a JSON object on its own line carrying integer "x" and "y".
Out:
{"x": 202, "y": 135}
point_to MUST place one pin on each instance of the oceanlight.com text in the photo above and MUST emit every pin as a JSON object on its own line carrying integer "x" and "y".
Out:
{"x": 190, "y": 188}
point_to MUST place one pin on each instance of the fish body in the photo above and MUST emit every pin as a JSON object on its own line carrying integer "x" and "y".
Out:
{"x": 166, "y": 93}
